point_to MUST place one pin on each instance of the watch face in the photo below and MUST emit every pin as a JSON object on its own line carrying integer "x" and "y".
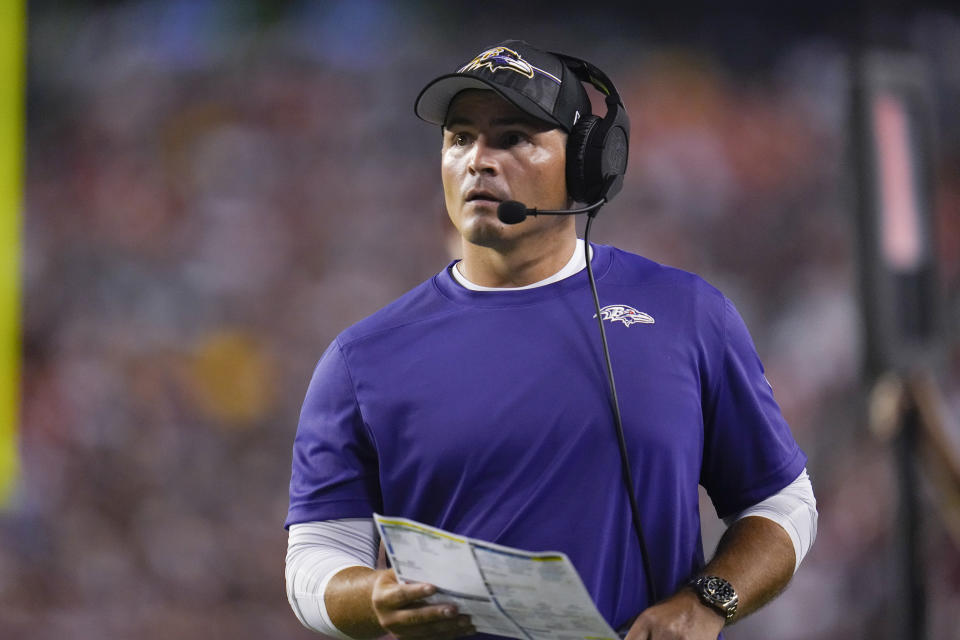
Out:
{"x": 719, "y": 590}
{"x": 719, "y": 594}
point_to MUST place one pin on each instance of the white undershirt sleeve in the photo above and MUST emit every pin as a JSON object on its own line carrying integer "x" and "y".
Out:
{"x": 795, "y": 509}
{"x": 317, "y": 551}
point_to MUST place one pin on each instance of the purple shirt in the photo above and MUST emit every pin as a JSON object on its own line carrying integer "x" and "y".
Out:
{"x": 487, "y": 414}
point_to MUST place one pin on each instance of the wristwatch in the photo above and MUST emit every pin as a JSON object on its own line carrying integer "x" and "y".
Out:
{"x": 718, "y": 594}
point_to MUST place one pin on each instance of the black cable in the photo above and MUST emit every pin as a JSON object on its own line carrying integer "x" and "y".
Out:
{"x": 617, "y": 420}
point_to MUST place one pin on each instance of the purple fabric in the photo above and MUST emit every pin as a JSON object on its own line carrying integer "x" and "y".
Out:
{"x": 487, "y": 414}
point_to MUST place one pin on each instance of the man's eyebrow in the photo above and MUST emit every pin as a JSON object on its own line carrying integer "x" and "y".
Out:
{"x": 457, "y": 121}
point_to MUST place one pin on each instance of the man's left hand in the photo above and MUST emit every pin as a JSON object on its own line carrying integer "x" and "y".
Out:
{"x": 679, "y": 617}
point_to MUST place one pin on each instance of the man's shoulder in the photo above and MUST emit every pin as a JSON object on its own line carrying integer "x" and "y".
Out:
{"x": 631, "y": 268}
{"x": 419, "y": 304}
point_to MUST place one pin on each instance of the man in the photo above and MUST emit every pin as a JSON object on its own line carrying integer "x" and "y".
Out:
{"x": 478, "y": 403}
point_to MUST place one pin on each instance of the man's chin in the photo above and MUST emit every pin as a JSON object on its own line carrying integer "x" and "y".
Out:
{"x": 486, "y": 232}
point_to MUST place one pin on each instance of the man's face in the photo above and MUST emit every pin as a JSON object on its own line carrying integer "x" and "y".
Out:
{"x": 493, "y": 151}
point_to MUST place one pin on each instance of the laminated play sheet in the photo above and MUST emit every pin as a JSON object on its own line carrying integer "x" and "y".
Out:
{"x": 507, "y": 592}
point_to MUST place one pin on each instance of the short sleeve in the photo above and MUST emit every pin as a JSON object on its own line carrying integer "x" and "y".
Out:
{"x": 749, "y": 452}
{"x": 334, "y": 472}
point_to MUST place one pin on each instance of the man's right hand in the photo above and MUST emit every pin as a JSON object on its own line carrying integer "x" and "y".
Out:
{"x": 400, "y": 609}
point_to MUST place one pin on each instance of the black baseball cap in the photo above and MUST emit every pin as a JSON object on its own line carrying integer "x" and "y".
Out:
{"x": 537, "y": 82}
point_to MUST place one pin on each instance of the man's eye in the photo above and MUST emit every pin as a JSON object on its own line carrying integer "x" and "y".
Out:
{"x": 513, "y": 138}
{"x": 461, "y": 139}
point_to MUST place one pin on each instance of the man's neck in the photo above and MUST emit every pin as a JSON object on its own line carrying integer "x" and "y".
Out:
{"x": 520, "y": 265}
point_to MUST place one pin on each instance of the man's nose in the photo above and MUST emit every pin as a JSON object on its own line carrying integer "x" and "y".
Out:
{"x": 484, "y": 159}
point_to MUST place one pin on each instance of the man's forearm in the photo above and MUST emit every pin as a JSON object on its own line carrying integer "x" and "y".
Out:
{"x": 756, "y": 556}
{"x": 348, "y": 599}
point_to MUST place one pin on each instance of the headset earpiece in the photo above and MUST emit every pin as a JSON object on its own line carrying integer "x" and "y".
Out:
{"x": 597, "y": 148}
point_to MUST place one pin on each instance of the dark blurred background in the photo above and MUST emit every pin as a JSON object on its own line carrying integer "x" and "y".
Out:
{"x": 215, "y": 189}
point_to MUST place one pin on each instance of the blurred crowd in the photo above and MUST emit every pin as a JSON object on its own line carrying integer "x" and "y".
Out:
{"x": 214, "y": 190}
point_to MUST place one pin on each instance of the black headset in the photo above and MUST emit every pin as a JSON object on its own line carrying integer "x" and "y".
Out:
{"x": 597, "y": 148}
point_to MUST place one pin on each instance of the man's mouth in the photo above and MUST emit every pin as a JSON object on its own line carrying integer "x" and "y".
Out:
{"x": 482, "y": 196}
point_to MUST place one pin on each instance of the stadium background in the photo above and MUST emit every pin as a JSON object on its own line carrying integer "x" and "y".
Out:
{"x": 214, "y": 189}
